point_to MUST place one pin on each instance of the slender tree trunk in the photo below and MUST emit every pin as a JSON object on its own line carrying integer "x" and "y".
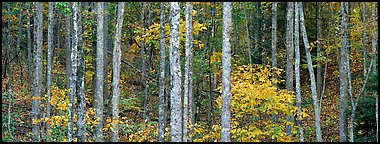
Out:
{"x": 19, "y": 39}
{"x": 312, "y": 77}
{"x": 116, "y": 73}
{"x": 73, "y": 73}
{"x": 258, "y": 31}
{"x": 364, "y": 41}
{"x": 175, "y": 70}
{"x": 99, "y": 72}
{"x": 226, "y": 73}
{"x": 343, "y": 76}
{"x": 106, "y": 97}
{"x": 29, "y": 43}
{"x": 68, "y": 49}
{"x": 9, "y": 83}
{"x": 49, "y": 64}
{"x": 297, "y": 72}
{"x": 80, "y": 85}
{"x": 58, "y": 34}
{"x": 37, "y": 93}
{"x": 188, "y": 70}
{"x": 319, "y": 71}
{"x": 274, "y": 51}
{"x": 290, "y": 55}
{"x": 143, "y": 63}
{"x": 161, "y": 97}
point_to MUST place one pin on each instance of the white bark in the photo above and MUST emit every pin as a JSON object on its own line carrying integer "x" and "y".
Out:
{"x": 226, "y": 73}
{"x": 312, "y": 77}
{"x": 175, "y": 71}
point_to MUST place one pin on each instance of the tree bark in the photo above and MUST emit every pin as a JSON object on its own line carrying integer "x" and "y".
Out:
{"x": 49, "y": 63}
{"x": 343, "y": 77}
{"x": 319, "y": 30}
{"x": 116, "y": 73}
{"x": 106, "y": 98}
{"x": 312, "y": 77}
{"x": 161, "y": 97}
{"x": 297, "y": 72}
{"x": 29, "y": 43}
{"x": 290, "y": 55}
{"x": 226, "y": 73}
{"x": 37, "y": 93}
{"x": 19, "y": 40}
{"x": 175, "y": 71}
{"x": 80, "y": 85}
{"x": 188, "y": 71}
{"x": 99, "y": 72}
{"x": 364, "y": 41}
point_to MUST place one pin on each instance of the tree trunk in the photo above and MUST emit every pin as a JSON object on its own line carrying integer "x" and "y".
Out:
{"x": 226, "y": 73}
{"x": 37, "y": 93}
{"x": 319, "y": 30}
{"x": 290, "y": 55}
{"x": 312, "y": 77}
{"x": 19, "y": 40}
{"x": 297, "y": 71}
{"x": 364, "y": 41}
{"x": 188, "y": 70}
{"x": 99, "y": 72}
{"x": 343, "y": 76}
{"x": 106, "y": 97}
{"x": 116, "y": 73}
{"x": 68, "y": 49}
{"x": 274, "y": 51}
{"x": 161, "y": 97}
{"x": 49, "y": 63}
{"x": 80, "y": 85}
{"x": 29, "y": 43}
{"x": 143, "y": 63}
{"x": 175, "y": 71}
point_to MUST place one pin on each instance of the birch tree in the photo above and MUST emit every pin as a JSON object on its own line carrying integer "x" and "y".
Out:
{"x": 297, "y": 71}
{"x": 29, "y": 43}
{"x": 188, "y": 87}
{"x": 175, "y": 72}
{"x": 37, "y": 92}
{"x": 99, "y": 73}
{"x": 312, "y": 77}
{"x": 226, "y": 73}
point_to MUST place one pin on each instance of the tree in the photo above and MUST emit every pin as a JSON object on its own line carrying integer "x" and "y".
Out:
{"x": 161, "y": 97}
{"x": 99, "y": 72}
{"x": 188, "y": 87}
{"x": 311, "y": 73}
{"x": 289, "y": 53}
{"x": 274, "y": 39}
{"x": 49, "y": 62}
{"x": 319, "y": 30}
{"x": 80, "y": 84}
{"x": 297, "y": 71}
{"x": 343, "y": 76}
{"x": 68, "y": 44}
{"x": 29, "y": 44}
{"x": 175, "y": 72}
{"x": 73, "y": 73}
{"x": 226, "y": 73}
{"x": 37, "y": 91}
{"x": 116, "y": 73}
{"x": 19, "y": 38}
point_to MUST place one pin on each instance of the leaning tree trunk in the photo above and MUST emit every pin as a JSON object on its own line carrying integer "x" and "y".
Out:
{"x": 37, "y": 93}
{"x": 226, "y": 73}
{"x": 297, "y": 71}
{"x": 99, "y": 72}
{"x": 312, "y": 77}
{"x": 290, "y": 55}
{"x": 188, "y": 70}
{"x": 175, "y": 71}
{"x": 161, "y": 106}
{"x": 49, "y": 64}
{"x": 343, "y": 77}
{"x": 116, "y": 73}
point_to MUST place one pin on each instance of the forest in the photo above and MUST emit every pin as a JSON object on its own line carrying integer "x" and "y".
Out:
{"x": 189, "y": 72}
